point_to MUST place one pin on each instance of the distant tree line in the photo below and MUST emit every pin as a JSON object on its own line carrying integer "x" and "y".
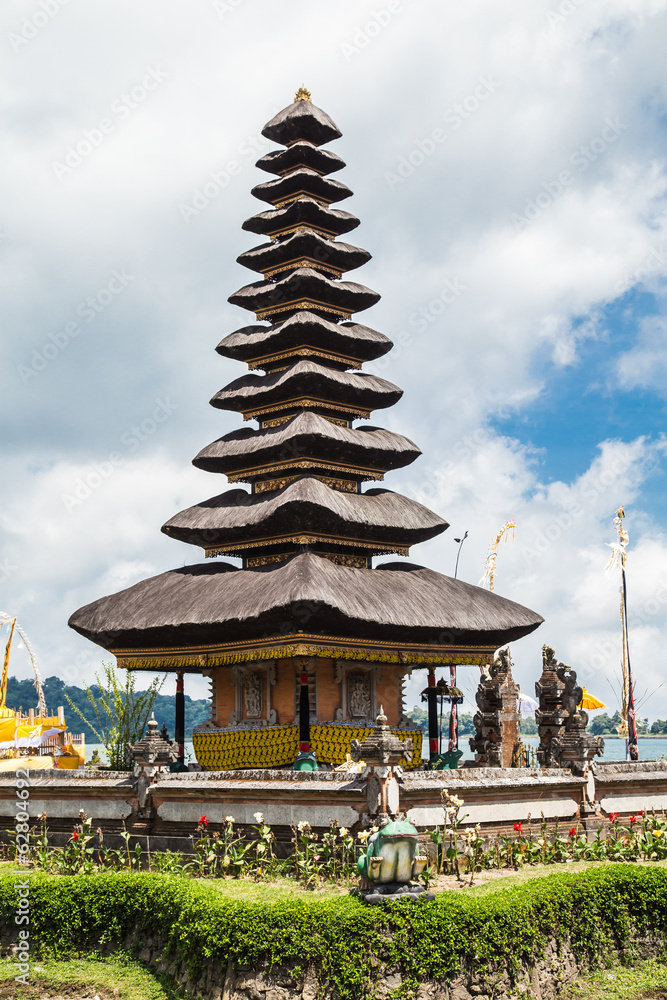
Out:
{"x": 605, "y": 725}
{"x": 466, "y": 727}
{"x": 600, "y": 725}
{"x": 22, "y": 694}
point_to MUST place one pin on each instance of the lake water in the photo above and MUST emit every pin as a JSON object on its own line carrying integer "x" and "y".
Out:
{"x": 614, "y": 749}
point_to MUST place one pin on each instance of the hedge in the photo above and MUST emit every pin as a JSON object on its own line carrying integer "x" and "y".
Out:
{"x": 597, "y": 911}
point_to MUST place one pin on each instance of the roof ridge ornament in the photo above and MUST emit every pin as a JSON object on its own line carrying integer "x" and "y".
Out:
{"x": 303, "y": 94}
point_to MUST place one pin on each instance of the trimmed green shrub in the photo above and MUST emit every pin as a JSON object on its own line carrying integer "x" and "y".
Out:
{"x": 596, "y": 911}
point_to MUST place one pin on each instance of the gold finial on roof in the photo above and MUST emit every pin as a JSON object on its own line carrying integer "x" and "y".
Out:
{"x": 303, "y": 95}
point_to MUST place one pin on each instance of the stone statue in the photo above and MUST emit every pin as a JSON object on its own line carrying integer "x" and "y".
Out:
{"x": 561, "y": 724}
{"x": 252, "y": 695}
{"x": 497, "y": 721}
{"x": 359, "y": 696}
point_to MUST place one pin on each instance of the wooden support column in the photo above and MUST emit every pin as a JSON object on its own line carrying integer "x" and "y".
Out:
{"x": 305, "y": 760}
{"x": 304, "y": 715}
{"x": 179, "y": 733}
{"x": 432, "y": 699}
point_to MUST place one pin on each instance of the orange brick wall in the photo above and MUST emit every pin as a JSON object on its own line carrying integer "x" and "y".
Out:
{"x": 282, "y": 694}
{"x": 388, "y": 691}
{"x": 328, "y": 692}
{"x": 225, "y": 695}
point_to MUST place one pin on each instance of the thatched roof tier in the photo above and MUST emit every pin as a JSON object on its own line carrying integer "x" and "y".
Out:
{"x": 351, "y": 394}
{"x": 304, "y": 288}
{"x": 302, "y": 120}
{"x": 308, "y": 440}
{"x": 237, "y": 520}
{"x": 302, "y": 335}
{"x": 306, "y": 213}
{"x": 300, "y": 154}
{"x": 304, "y": 249}
{"x": 408, "y": 607}
{"x": 299, "y": 182}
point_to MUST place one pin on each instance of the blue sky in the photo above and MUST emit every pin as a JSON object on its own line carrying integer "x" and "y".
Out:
{"x": 581, "y": 404}
{"x": 507, "y": 159}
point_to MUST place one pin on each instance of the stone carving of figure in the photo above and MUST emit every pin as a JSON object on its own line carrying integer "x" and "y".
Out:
{"x": 359, "y": 696}
{"x": 252, "y": 695}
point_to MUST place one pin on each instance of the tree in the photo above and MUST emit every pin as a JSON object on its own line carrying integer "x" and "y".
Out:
{"x": 120, "y": 712}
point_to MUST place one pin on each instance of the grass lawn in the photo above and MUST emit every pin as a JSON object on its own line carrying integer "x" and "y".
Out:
{"x": 641, "y": 982}
{"x": 109, "y": 978}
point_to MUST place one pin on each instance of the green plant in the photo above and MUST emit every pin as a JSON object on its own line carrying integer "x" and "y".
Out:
{"x": 350, "y": 945}
{"x": 120, "y": 712}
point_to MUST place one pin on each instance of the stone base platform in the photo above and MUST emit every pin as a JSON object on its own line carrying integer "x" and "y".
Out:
{"x": 165, "y": 814}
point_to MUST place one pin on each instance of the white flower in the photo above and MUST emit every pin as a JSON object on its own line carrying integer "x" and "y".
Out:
{"x": 259, "y": 817}
{"x": 303, "y": 826}
{"x": 343, "y": 831}
{"x": 229, "y": 819}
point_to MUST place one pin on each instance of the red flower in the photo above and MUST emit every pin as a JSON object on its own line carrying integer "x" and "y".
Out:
{"x": 203, "y": 821}
{"x": 573, "y": 832}
{"x": 517, "y": 827}
{"x": 640, "y": 812}
{"x": 614, "y": 817}
{"x": 633, "y": 819}
{"x": 75, "y": 836}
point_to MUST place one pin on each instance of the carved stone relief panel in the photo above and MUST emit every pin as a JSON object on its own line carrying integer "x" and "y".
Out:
{"x": 359, "y": 695}
{"x": 252, "y": 695}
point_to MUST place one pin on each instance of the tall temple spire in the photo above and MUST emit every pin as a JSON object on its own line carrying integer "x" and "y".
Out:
{"x": 306, "y": 524}
{"x": 306, "y": 461}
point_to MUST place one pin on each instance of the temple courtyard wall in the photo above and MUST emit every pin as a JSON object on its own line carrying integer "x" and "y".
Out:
{"x": 164, "y": 814}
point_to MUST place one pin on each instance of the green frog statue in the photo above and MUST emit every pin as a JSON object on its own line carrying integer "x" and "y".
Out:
{"x": 390, "y": 862}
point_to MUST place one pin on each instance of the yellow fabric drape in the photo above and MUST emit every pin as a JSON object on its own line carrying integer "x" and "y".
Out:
{"x": 5, "y": 667}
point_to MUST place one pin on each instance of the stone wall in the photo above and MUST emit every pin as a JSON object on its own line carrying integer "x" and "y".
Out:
{"x": 543, "y": 979}
{"x": 497, "y": 798}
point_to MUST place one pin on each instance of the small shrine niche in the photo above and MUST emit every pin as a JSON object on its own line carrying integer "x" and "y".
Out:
{"x": 358, "y": 691}
{"x": 252, "y": 695}
{"x": 253, "y": 684}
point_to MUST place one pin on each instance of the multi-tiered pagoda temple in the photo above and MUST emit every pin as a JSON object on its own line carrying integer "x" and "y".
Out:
{"x": 305, "y": 605}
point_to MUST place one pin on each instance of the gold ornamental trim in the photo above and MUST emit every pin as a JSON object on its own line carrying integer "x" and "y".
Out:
{"x": 254, "y": 561}
{"x": 301, "y": 644}
{"x": 307, "y": 402}
{"x": 306, "y": 352}
{"x": 246, "y": 475}
{"x": 306, "y": 538}
{"x": 269, "y": 485}
{"x": 230, "y": 749}
{"x": 305, "y": 166}
{"x": 297, "y": 304}
{"x": 320, "y": 199}
{"x": 279, "y": 421}
{"x": 340, "y": 558}
{"x": 292, "y": 265}
{"x": 298, "y": 227}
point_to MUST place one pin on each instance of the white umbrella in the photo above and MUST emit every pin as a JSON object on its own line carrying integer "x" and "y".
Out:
{"x": 527, "y": 705}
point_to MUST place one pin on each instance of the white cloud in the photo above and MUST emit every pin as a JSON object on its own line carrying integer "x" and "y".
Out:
{"x": 556, "y": 564}
{"x": 478, "y": 304}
